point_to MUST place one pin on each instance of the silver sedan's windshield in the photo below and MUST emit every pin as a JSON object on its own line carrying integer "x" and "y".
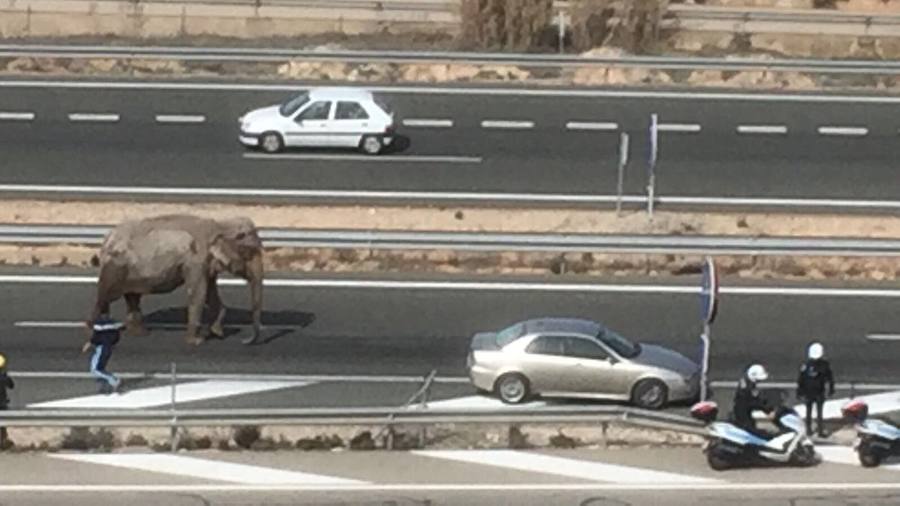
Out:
{"x": 619, "y": 344}
{"x": 510, "y": 334}
{"x": 291, "y": 106}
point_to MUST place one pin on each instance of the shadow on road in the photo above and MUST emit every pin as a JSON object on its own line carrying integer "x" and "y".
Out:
{"x": 276, "y": 324}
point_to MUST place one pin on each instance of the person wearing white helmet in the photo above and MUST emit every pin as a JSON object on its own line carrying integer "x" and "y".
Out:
{"x": 815, "y": 375}
{"x": 747, "y": 399}
{"x": 6, "y": 383}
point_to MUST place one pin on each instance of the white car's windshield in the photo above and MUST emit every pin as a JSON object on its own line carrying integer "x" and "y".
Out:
{"x": 291, "y": 106}
{"x": 510, "y": 334}
{"x": 619, "y": 344}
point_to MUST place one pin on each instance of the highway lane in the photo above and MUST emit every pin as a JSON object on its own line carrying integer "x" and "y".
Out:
{"x": 719, "y": 160}
{"x": 394, "y": 331}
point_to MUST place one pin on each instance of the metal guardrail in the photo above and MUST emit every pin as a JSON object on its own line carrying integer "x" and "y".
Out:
{"x": 472, "y": 241}
{"x": 261, "y": 55}
{"x": 768, "y": 15}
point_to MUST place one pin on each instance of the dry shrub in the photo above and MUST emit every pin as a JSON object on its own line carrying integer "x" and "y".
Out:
{"x": 515, "y": 25}
{"x": 633, "y": 25}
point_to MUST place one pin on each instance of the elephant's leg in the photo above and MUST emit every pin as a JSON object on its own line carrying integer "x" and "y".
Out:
{"x": 135, "y": 319}
{"x": 109, "y": 289}
{"x": 216, "y": 307}
{"x": 196, "y": 289}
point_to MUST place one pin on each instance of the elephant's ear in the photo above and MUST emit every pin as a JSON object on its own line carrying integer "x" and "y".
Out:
{"x": 220, "y": 253}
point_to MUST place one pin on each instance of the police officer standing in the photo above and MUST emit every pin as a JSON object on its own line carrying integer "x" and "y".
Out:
{"x": 815, "y": 374}
{"x": 748, "y": 398}
{"x": 5, "y": 383}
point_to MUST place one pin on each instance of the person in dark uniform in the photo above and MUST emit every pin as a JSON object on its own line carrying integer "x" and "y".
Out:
{"x": 815, "y": 375}
{"x": 6, "y": 383}
{"x": 748, "y": 398}
{"x": 104, "y": 338}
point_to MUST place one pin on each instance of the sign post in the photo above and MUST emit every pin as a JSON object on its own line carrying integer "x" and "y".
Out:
{"x": 654, "y": 154}
{"x": 623, "y": 161}
{"x": 709, "y": 305}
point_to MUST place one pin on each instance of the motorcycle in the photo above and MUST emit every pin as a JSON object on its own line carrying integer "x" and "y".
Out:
{"x": 876, "y": 440}
{"x": 730, "y": 446}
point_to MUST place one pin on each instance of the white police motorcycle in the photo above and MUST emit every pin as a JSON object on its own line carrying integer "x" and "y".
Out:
{"x": 730, "y": 446}
{"x": 876, "y": 440}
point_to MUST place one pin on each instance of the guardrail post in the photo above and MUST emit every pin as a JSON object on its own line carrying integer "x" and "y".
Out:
{"x": 852, "y": 390}
{"x": 654, "y": 155}
{"x": 173, "y": 430}
{"x": 623, "y": 162}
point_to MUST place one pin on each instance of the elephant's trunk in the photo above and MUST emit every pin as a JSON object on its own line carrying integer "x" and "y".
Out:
{"x": 255, "y": 280}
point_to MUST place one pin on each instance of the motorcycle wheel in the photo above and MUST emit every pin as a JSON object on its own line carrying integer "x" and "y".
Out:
{"x": 868, "y": 456}
{"x": 716, "y": 461}
{"x": 805, "y": 456}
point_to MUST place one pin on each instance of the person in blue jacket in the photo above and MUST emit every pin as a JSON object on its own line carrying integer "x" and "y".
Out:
{"x": 104, "y": 338}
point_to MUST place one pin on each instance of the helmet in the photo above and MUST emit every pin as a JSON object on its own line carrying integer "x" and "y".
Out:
{"x": 816, "y": 351}
{"x": 756, "y": 372}
{"x": 2, "y": 361}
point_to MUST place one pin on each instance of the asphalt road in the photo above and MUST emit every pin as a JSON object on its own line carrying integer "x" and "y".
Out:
{"x": 546, "y": 158}
{"x": 634, "y": 477}
{"x": 412, "y": 331}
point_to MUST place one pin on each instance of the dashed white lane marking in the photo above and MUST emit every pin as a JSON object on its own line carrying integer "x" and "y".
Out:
{"x": 478, "y": 402}
{"x": 762, "y": 129}
{"x": 847, "y": 455}
{"x": 587, "y": 470}
{"x": 365, "y": 158}
{"x": 428, "y": 123}
{"x": 207, "y": 469}
{"x": 93, "y": 117}
{"x": 16, "y": 116}
{"x": 587, "y": 125}
{"x": 516, "y": 125}
{"x": 845, "y": 131}
{"x": 679, "y": 127}
{"x": 161, "y": 396}
{"x": 180, "y": 118}
{"x": 883, "y": 337}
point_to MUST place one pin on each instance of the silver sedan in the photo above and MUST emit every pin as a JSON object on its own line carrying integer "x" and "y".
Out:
{"x": 568, "y": 357}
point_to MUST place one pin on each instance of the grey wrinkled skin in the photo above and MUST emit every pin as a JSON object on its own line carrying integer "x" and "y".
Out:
{"x": 162, "y": 253}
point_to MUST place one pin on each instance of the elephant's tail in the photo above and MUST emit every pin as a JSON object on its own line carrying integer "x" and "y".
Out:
{"x": 95, "y": 261}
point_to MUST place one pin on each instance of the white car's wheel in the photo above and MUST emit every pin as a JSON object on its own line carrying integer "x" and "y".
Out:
{"x": 512, "y": 388}
{"x": 371, "y": 144}
{"x": 271, "y": 142}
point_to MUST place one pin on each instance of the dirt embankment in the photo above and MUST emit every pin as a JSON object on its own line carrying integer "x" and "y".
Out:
{"x": 489, "y": 220}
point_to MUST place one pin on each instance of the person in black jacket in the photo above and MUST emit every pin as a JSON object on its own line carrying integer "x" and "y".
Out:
{"x": 815, "y": 375}
{"x": 106, "y": 334}
{"x": 748, "y": 398}
{"x": 6, "y": 383}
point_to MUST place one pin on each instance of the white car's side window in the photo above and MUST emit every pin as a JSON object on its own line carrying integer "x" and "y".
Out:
{"x": 351, "y": 111}
{"x": 318, "y": 111}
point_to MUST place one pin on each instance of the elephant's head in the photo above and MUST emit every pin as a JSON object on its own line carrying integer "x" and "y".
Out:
{"x": 236, "y": 248}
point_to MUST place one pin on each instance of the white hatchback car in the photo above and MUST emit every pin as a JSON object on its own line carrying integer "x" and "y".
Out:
{"x": 321, "y": 117}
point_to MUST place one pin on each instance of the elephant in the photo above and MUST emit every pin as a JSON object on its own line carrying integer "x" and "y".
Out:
{"x": 159, "y": 254}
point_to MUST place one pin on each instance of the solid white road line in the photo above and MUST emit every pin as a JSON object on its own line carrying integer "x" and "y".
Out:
{"x": 570, "y": 468}
{"x": 438, "y": 90}
{"x": 16, "y": 116}
{"x": 500, "y": 286}
{"x": 478, "y": 402}
{"x": 584, "y": 125}
{"x": 445, "y": 196}
{"x": 428, "y": 123}
{"x": 845, "y": 131}
{"x": 516, "y": 125}
{"x": 206, "y": 469}
{"x": 180, "y": 118}
{"x": 846, "y": 455}
{"x": 245, "y": 377}
{"x": 878, "y": 404}
{"x": 364, "y": 158}
{"x": 883, "y": 337}
{"x": 762, "y": 129}
{"x": 161, "y": 396}
{"x": 679, "y": 127}
{"x": 93, "y": 117}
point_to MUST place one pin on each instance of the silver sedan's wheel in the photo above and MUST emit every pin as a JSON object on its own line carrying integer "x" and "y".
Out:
{"x": 512, "y": 388}
{"x": 650, "y": 394}
{"x": 270, "y": 142}
{"x": 371, "y": 145}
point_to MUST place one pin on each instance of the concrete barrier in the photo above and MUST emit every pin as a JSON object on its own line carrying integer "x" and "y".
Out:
{"x": 62, "y": 18}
